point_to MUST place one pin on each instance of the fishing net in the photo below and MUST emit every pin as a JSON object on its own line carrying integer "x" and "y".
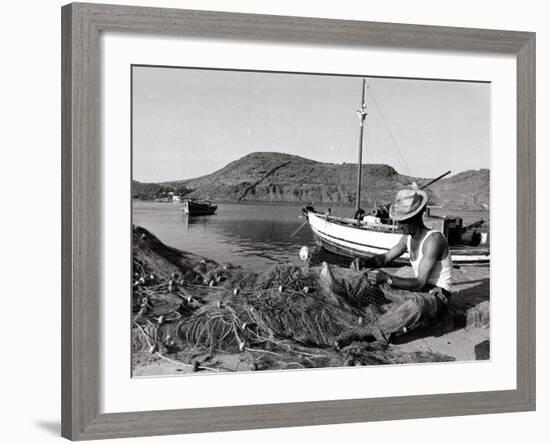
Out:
{"x": 282, "y": 303}
{"x": 354, "y": 288}
{"x": 196, "y": 311}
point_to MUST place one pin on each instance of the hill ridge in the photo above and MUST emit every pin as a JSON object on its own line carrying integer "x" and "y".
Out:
{"x": 306, "y": 180}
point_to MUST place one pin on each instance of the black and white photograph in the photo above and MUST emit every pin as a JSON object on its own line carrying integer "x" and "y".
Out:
{"x": 295, "y": 221}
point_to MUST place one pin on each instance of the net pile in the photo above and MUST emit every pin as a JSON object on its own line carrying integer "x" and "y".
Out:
{"x": 191, "y": 311}
{"x": 283, "y": 303}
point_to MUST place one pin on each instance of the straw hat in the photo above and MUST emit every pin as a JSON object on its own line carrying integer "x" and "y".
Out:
{"x": 407, "y": 204}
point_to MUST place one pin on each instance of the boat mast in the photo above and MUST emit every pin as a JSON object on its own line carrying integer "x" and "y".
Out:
{"x": 362, "y": 113}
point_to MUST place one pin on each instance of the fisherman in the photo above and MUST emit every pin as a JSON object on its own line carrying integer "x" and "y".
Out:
{"x": 419, "y": 300}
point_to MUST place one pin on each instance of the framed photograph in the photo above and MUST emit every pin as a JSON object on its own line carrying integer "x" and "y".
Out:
{"x": 278, "y": 221}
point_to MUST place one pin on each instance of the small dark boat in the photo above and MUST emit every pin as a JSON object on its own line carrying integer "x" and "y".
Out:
{"x": 197, "y": 207}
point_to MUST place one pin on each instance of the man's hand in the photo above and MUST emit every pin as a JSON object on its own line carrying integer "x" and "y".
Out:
{"x": 357, "y": 264}
{"x": 376, "y": 277}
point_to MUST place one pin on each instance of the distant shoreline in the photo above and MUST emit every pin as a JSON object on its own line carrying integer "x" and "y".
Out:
{"x": 314, "y": 204}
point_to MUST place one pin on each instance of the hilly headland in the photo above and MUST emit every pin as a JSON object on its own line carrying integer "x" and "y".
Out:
{"x": 279, "y": 177}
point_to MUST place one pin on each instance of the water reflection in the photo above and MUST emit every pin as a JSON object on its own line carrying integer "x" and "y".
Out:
{"x": 252, "y": 235}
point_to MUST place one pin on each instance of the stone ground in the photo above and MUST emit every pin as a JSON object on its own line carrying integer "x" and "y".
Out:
{"x": 467, "y": 327}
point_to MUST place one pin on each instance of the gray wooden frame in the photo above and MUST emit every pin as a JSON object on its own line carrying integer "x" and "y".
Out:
{"x": 81, "y": 167}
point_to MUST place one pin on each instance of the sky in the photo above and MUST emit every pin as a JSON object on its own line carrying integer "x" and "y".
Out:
{"x": 191, "y": 122}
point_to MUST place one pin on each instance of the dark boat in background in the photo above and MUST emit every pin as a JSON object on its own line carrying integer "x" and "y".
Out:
{"x": 198, "y": 207}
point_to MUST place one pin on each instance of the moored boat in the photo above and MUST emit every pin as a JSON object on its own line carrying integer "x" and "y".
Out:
{"x": 363, "y": 238}
{"x": 197, "y": 207}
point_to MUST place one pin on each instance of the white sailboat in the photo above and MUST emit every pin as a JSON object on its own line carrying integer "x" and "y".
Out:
{"x": 375, "y": 233}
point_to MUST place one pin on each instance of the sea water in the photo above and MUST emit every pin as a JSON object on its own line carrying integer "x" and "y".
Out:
{"x": 255, "y": 236}
{"x": 252, "y": 235}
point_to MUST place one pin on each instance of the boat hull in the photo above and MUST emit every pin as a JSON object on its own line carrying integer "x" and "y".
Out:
{"x": 354, "y": 241}
{"x": 198, "y": 209}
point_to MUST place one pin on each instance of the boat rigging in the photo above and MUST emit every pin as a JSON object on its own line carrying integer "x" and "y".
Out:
{"x": 375, "y": 233}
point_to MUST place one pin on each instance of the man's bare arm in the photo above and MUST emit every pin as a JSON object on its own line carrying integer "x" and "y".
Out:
{"x": 431, "y": 250}
{"x": 384, "y": 259}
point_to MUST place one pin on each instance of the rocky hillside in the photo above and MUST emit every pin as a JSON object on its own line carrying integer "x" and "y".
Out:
{"x": 278, "y": 177}
{"x": 467, "y": 190}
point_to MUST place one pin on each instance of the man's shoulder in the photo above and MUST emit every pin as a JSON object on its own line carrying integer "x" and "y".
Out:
{"x": 404, "y": 240}
{"x": 436, "y": 241}
{"x": 437, "y": 236}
